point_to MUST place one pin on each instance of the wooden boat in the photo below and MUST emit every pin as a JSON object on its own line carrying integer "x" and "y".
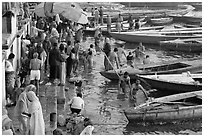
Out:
{"x": 171, "y": 108}
{"x": 174, "y": 83}
{"x": 197, "y": 6}
{"x": 170, "y": 67}
{"x": 192, "y": 19}
{"x": 161, "y": 21}
{"x": 154, "y": 37}
{"x": 184, "y": 45}
{"x": 91, "y": 31}
{"x": 192, "y": 26}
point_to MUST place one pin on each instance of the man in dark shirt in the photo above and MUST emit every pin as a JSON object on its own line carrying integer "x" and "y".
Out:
{"x": 47, "y": 47}
{"x": 54, "y": 60}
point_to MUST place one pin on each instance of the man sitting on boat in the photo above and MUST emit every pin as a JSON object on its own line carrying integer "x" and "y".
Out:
{"x": 124, "y": 81}
{"x": 137, "y": 24}
{"x": 131, "y": 23}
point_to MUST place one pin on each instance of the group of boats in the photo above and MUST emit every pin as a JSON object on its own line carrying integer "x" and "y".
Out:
{"x": 180, "y": 83}
{"x": 155, "y": 30}
{"x": 181, "y": 80}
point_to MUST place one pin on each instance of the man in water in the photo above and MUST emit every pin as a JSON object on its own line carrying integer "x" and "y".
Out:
{"x": 138, "y": 87}
{"x": 124, "y": 81}
{"x": 114, "y": 60}
{"x": 121, "y": 52}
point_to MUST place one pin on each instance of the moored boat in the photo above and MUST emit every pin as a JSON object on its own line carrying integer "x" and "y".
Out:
{"x": 170, "y": 67}
{"x": 171, "y": 108}
{"x": 193, "y": 19}
{"x": 174, "y": 83}
{"x": 184, "y": 45}
{"x": 91, "y": 31}
{"x": 161, "y": 21}
{"x": 154, "y": 37}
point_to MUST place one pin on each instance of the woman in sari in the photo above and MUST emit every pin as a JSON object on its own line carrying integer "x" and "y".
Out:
{"x": 37, "y": 125}
{"x": 21, "y": 109}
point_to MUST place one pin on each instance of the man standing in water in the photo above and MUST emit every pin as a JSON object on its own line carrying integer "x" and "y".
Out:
{"x": 107, "y": 51}
{"x": 114, "y": 60}
{"x": 124, "y": 81}
{"x": 138, "y": 87}
{"x": 121, "y": 52}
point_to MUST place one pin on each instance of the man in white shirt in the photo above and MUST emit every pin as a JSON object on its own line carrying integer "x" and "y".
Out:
{"x": 76, "y": 104}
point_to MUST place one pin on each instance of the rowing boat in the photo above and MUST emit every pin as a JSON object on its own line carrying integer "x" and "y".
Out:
{"x": 171, "y": 108}
{"x": 174, "y": 83}
{"x": 184, "y": 45}
{"x": 170, "y": 67}
{"x": 154, "y": 37}
{"x": 91, "y": 31}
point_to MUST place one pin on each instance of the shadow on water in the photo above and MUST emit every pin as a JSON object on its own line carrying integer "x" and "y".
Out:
{"x": 176, "y": 127}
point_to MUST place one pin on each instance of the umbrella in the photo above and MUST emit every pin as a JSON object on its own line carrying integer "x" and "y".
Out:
{"x": 68, "y": 10}
{"x": 39, "y": 10}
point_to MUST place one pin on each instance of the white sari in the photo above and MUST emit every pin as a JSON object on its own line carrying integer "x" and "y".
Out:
{"x": 37, "y": 125}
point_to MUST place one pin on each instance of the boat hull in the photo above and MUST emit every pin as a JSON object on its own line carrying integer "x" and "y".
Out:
{"x": 184, "y": 113}
{"x": 184, "y": 46}
{"x": 146, "y": 38}
{"x": 168, "y": 108}
{"x": 162, "y": 21}
{"x": 171, "y": 87}
{"x": 193, "y": 66}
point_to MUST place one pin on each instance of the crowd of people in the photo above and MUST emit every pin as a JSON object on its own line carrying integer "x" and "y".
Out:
{"x": 54, "y": 49}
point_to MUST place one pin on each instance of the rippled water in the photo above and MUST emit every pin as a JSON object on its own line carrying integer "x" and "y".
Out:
{"x": 104, "y": 106}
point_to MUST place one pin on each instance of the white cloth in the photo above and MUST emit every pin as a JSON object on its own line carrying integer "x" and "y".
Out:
{"x": 37, "y": 124}
{"x": 43, "y": 56}
{"x": 54, "y": 33}
{"x": 35, "y": 74}
{"x": 9, "y": 66}
{"x": 7, "y": 132}
{"x": 87, "y": 130}
{"x": 34, "y": 32}
{"x": 77, "y": 102}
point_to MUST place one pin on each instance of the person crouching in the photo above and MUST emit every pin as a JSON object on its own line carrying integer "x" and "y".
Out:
{"x": 76, "y": 104}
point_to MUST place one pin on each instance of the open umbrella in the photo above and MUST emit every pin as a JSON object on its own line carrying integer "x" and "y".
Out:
{"x": 68, "y": 10}
{"x": 39, "y": 10}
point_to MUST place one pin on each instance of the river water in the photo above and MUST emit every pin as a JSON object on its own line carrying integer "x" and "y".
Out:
{"x": 104, "y": 106}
